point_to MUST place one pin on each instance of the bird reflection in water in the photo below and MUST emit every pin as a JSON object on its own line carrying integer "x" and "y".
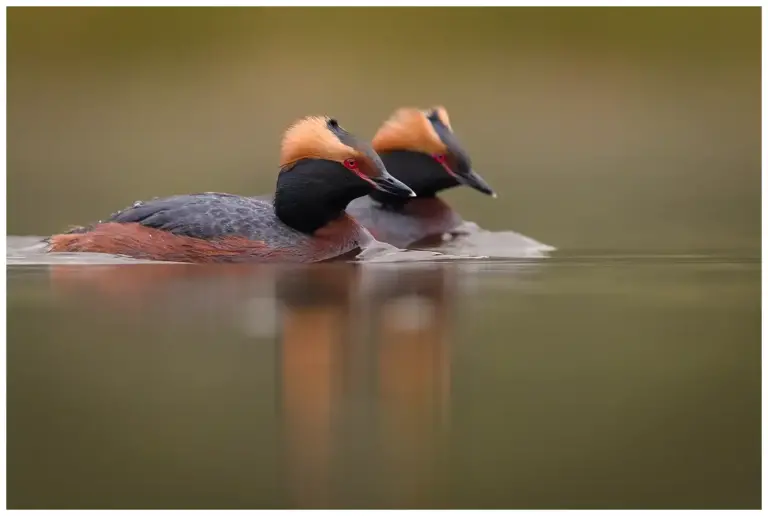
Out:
{"x": 316, "y": 312}
{"x": 363, "y": 361}
{"x": 365, "y": 382}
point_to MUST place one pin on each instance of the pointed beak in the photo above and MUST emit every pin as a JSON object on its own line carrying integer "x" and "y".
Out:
{"x": 388, "y": 184}
{"x": 473, "y": 179}
{"x": 462, "y": 168}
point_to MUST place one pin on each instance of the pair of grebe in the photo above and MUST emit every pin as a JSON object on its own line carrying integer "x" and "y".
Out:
{"x": 335, "y": 194}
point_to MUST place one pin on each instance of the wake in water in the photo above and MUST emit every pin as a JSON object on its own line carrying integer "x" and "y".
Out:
{"x": 471, "y": 240}
{"x": 31, "y": 250}
{"x": 380, "y": 252}
{"x": 468, "y": 242}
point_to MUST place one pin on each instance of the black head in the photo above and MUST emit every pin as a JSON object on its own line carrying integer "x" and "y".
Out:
{"x": 315, "y": 184}
{"x": 412, "y": 131}
{"x": 323, "y": 138}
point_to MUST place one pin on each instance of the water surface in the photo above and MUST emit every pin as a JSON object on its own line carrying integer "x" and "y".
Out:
{"x": 584, "y": 380}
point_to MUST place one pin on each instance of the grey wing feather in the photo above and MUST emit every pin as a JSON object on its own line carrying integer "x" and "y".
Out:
{"x": 207, "y": 215}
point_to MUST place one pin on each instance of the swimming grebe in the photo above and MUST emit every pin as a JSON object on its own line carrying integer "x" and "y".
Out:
{"x": 322, "y": 168}
{"x": 419, "y": 148}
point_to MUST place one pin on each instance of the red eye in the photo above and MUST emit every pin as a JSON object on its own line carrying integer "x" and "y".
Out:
{"x": 443, "y": 160}
{"x": 351, "y": 164}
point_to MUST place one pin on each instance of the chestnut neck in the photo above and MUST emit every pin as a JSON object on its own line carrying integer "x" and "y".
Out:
{"x": 313, "y": 192}
{"x": 419, "y": 170}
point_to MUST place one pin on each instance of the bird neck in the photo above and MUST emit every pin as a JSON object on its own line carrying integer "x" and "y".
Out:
{"x": 419, "y": 170}
{"x": 313, "y": 192}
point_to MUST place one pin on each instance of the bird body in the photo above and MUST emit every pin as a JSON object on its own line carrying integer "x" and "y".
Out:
{"x": 323, "y": 168}
{"x": 423, "y": 220}
{"x": 210, "y": 228}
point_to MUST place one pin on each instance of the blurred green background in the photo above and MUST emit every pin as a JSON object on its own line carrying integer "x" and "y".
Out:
{"x": 602, "y": 128}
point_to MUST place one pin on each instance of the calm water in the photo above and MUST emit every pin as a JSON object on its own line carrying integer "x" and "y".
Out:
{"x": 602, "y": 380}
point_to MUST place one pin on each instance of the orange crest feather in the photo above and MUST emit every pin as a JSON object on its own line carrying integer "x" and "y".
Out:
{"x": 311, "y": 138}
{"x": 409, "y": 129}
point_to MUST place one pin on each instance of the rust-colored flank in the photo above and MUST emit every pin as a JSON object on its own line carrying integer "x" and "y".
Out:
{"x": 142, "y": 242}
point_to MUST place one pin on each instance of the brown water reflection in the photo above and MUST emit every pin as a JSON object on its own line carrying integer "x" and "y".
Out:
{"x": 343, "y": 334}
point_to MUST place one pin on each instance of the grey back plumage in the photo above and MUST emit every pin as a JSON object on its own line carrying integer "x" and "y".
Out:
{"x": 213, "y": 215}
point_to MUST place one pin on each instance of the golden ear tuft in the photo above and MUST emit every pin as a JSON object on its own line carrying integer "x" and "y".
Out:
{"x": 310, "y": 137}
{"x": 409, "y": 129}
{"x": 442, "y": 114}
